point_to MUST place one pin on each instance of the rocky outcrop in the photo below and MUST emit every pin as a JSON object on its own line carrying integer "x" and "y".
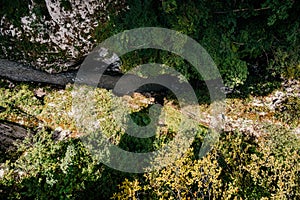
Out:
{"x": 52, "y": 35}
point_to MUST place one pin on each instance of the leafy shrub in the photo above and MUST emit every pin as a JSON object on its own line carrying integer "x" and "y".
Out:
{"x": 289, "y": 111}
{"x": 48, "y": 169}
{"x": 238, "y": 168}
{"x": 286, "y": 64}
{"x": 238, "y": 34}
{"x": 20, "y": 103}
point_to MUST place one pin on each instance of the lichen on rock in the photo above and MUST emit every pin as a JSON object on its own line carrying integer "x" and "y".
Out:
{"x": 55, "y": 34}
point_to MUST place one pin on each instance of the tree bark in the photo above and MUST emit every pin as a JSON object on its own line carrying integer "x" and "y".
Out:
{"x": 21, "y": 73}
{"x": 10, "y": 133}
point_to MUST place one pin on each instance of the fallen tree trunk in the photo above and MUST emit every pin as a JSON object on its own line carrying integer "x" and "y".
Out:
{"x": 10, "y": 133}
{"x": 21, "y": 73}
{"x": 18, "y": 72}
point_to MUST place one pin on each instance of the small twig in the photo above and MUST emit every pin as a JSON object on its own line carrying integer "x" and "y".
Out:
{"x": 241, "y": 10}
{"x": 171, "y": 191}
{"x": 238, "y": 43}
{"x": 266, "y": 55}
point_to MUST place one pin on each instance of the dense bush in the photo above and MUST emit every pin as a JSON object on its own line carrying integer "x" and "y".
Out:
{"x": 48, "y": 169}
{"x": 238, "y": 168}
{"x": 237, "y": 34}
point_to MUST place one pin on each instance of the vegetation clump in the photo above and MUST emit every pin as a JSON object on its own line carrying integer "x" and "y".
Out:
{"x": 239, "y": 166}
{"x": 255, "y": 45}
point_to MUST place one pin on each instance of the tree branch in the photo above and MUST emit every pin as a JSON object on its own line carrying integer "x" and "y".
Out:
{"x": 242, "y": 10}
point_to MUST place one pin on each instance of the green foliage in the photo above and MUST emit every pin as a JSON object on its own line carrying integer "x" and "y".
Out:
{"x": 129, "y": 190}
{"x": 14, "y": 9}
{"x": 289, "y": 111}
{"x": 48, "y": 169}
{"x": 278, "y": 9}
{"x": 20, "y": 103}
{"x": 286, "y": 63}
{"x": 238, "y": 168}
{"x": 275, "y": 169}
{"x": 237, "y": 34}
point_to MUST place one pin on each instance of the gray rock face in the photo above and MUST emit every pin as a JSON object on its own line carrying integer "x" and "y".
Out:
{"x": 52, "y": 36}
